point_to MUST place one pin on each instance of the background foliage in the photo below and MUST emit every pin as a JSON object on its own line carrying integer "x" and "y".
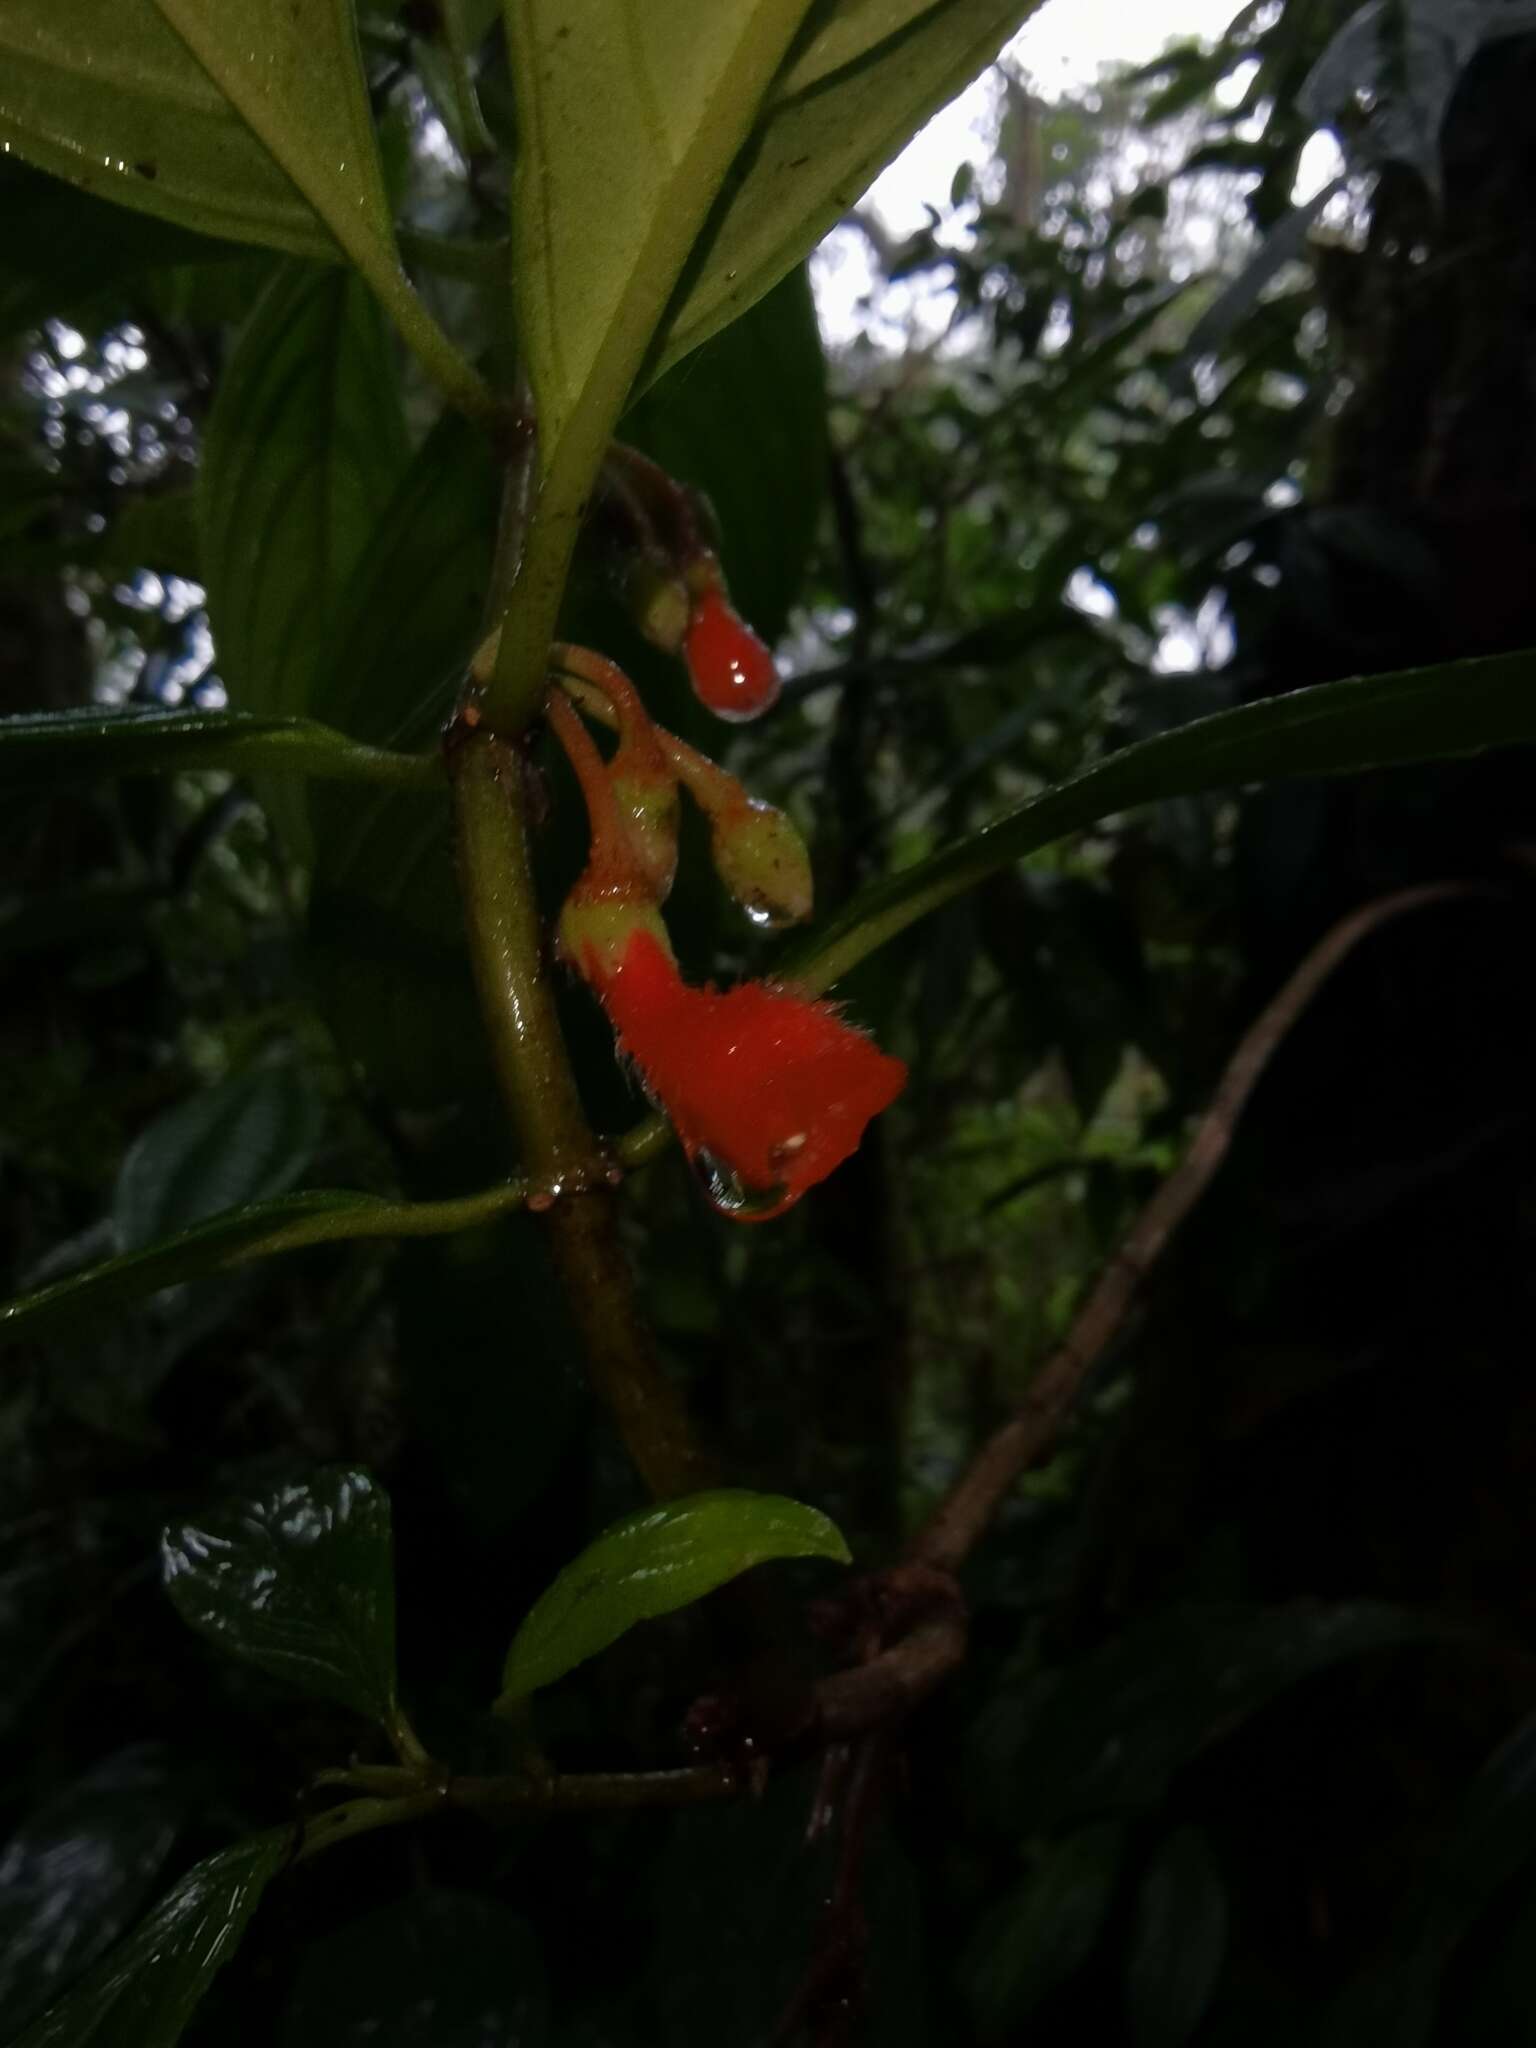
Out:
{"x": 1242, "y": 1749}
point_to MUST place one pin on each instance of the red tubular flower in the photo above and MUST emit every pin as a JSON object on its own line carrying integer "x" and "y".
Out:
{"x": 732, "y": 670}
{"x": 771, "y": 1087}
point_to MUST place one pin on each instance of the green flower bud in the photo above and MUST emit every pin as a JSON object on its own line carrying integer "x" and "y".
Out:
{"x": 762, "y": 859}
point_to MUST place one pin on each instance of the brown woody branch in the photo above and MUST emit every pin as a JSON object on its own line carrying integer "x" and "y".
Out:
{"x": 954, "y": 1527}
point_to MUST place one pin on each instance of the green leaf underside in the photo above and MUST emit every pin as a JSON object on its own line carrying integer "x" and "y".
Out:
{"x": 1332, "y": 729}
{"x": 862, "y": 80}
{"x": 294, "y": 75}
{"x": 106, "y": 94}
{"x": 299, "y": 1581}
{"x": 144, "y": 1993}
{"x": 630, "y": 116}
{"x": 651, "y": 1563}
{"x": 48, "y": 748}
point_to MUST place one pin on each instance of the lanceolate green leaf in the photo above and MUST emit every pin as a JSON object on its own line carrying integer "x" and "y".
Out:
{"x": 651, "y": 1563}
{"x": 145, "y": 1992}
{"x": 106, "y": 94}
{"x": 298, "y": 1580}
{"x": 629, "y": 118}
{"x": 294, "y": 75}
{"x": 865, "y": 79}
{"x": 318, "y": 1216}
{"x": 1335, "y": 729}
{"x": 44, "y": 748}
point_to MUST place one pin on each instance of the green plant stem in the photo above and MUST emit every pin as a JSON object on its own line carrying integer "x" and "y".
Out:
{"x": 597, "y": 1791}
{"x": 453, "y": 374}
{"x": 563, "y": 1162}
{"x": 362, "y": 1816}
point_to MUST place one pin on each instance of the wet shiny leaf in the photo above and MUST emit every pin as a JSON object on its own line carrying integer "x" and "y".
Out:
{"x": 652, "y": 1562}
{"x": 300, "y": 1581}
{"x": 145, "y": 1992}
{"x": 77, "y": 1870}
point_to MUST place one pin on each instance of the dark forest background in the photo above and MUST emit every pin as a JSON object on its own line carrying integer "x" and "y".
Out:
{"x": 1244, "y": 1750}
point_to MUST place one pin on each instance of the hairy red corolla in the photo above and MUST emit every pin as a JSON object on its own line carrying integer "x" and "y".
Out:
{"x": 773, "y": 1087}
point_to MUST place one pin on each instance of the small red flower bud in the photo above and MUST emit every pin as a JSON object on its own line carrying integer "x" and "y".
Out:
{"x": 732, "y": 670}
{"x": 771, "y": 1086}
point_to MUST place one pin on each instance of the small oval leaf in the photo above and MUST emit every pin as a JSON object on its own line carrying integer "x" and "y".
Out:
{"x": 298, "y": 1580}
{"x": 651, "y": 1563}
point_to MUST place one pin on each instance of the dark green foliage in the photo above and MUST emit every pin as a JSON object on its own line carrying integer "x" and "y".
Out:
{"x": 1175, "y": 604}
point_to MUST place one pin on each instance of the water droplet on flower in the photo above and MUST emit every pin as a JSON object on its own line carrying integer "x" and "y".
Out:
{"x": 728, "y": 1195}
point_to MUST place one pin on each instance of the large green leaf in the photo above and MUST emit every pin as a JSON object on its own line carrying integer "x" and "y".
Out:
{"x": 42, "y": 749}
{"x": 294, "y": 74}
{"x": 106, "y": 94}
{"x": 76, "y": 1872}
{"x": 245, "y": 1140}
{"x": 628, "y": 118}
{"x": 146, "y": 1990}
{"x": 318, "y": 1216}
{"x": 298, "y": 1580}
{"x": 1419, "y": 714}
{"x": 304, "y": 446}
{"x": 651, "y": 1563}
{"x": 864, "y": 77}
